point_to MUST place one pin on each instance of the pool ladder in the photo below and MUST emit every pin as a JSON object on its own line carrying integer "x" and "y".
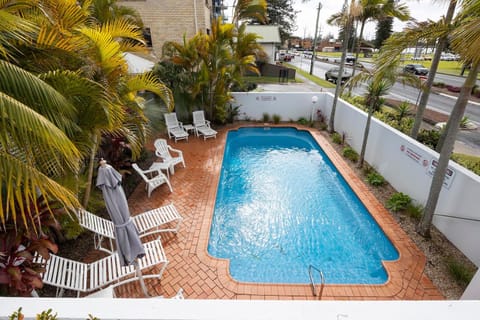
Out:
{"x": 312, "y": 268}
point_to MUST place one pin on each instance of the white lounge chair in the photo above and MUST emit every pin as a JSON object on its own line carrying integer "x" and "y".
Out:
{"x": 153, "y": 182}
{"x": 162, "y": 150}
{"x": 202, "y": 126}
{"x": 82, "y": 277}
{"x": 174, "y": 127}
{"x": 162, "y": 219}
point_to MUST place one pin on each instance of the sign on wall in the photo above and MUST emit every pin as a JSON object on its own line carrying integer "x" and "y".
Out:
{"x": 449, "y": 174}
{"x": 427, "y": 162}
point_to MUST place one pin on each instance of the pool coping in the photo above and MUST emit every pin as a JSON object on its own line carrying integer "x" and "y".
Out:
{"x": 203, "y": 276}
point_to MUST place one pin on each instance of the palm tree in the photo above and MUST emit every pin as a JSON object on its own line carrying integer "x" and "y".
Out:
{"x": 248, "y": 9}
{"x": 35, "y": 151}
{"x": 442, "y": 41}
{"x": 375, "y": 90}
{"x": 465, "y": 40}
{"x": 375, "y": 10}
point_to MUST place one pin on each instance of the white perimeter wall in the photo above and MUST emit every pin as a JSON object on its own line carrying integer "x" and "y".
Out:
{"x": 404, "y": 162}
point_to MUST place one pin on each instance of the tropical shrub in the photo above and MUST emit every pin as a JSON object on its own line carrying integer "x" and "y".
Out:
{"x": 464, "y": 122}
{"x": 232, "y": 113}
{"x": 337, "y": 138}
{"x": 414, "y": 211}
{"x": 20, "y": 241}
{"x": 398, "y": 201}
{"x": 276, "y": 118}
{"x": 459, "y": 271}
{"x": 375, "y": 179}
{"x": 350, "y": 154}
{"x": 429, "y": 137}
{"x": 265, "y": 117}
{"x": 403, "y": 110}
{"x": 472, "y": 163}
{"x": 303, "y": 121}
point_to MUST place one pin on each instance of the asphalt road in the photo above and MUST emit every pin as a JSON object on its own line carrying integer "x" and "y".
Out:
{"x": 438, "y": 102}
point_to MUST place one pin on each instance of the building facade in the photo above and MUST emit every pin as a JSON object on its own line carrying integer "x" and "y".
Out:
{"x": 171, "y": 20}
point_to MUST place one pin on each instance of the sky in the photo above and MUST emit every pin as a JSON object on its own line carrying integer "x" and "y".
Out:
{"x": 307, "y": 14}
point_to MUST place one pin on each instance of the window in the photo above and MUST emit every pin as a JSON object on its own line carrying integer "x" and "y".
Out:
{"x": 148, "y": 37}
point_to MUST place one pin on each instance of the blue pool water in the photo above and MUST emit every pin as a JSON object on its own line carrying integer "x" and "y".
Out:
{"x": 281, "y": 206}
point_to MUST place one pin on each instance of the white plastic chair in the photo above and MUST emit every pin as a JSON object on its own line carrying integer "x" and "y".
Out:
{"x": 82, "y": 277}
{"x": 162, "y": 150}
{"x": 202, "y": 126}
{"x": 162, "y": 219}
{"x": 174, "y": 127}
{"x": 153, "y": 182}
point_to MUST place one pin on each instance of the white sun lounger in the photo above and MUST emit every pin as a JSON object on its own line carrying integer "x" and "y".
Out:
{"x": 147, "y": 223}
{"x": 82, "y": 277}
{"x": 174, "y": 127}
{"x": 202, "y": 126}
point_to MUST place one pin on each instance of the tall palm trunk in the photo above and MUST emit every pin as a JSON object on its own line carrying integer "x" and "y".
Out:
{"x": 91, "y": 164}
{"x": 365, "y": 134}
{"x": 431, "y": 76}
{"x": 331, "y": 123}
{"x": 357, "y": 52}
{"x": 451, "y": 131}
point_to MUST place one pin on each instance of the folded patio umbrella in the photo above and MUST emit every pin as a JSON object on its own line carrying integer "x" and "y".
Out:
{"x": 129, "y": 245}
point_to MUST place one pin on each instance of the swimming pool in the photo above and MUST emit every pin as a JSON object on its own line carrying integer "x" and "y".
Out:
{"x": 281, "y": 206}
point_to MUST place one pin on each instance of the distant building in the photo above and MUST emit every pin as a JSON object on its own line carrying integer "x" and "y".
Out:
{"x": 171, "y": 20}
{"x": 269, "y": 39}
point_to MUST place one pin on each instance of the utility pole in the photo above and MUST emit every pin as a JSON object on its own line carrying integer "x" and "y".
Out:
{"x": 315, "y": 38}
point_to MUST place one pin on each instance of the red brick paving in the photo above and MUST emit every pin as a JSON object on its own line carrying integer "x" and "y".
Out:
{"x": 204, "y": 277}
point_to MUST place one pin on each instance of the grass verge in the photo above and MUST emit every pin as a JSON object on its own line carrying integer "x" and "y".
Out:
{"x": 317, "y": 80}
{"x": 472, "y": 163}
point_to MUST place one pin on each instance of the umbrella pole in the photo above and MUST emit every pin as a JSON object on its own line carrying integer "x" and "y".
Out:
{"x": 140, "y": 278}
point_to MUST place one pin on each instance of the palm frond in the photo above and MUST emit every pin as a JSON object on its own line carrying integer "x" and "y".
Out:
{"x": 22, "y": 183}
{"x": 32, "y": 91}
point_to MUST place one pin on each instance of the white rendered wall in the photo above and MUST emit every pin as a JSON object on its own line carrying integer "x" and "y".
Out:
{"x": 404, "y": 162}
{"x": 101, "y": 308}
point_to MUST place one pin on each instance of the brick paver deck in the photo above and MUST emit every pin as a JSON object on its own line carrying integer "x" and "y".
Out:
{"x": 204, "y": 277}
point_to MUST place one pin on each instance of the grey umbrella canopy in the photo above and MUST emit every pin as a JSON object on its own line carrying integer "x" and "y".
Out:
{"x": 129, "y": 245}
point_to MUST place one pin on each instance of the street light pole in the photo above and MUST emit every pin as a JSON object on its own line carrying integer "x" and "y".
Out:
{"x": 315, "y": 38}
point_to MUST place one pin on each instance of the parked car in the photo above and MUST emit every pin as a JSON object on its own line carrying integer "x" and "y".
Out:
{"x": 416, "y": 69}
{"x": 449, "y": 57}
{"x": 333, "y": 75}
{"x": 350, "y": 58}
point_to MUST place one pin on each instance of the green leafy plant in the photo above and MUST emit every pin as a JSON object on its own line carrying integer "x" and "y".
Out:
{"x": 398, "y": 201}
{"x": 232, "y": 113}
{"x": 429, "y": 137}
{"x": 403, "y": 110}
{"x": 472, "y": 163}
{"x": 439, "y": 84}
{"x": 20, "y": 241}
{"x": 459, "y": 272}
{"x": 464, "y": 122}
{"x": 414, "y": 211}
{"x": 302, "y": 121}
{"x": 337, "y": 138}
{"x": 265, "y": 117}
{"x": 350, "y": 154}
{"x": 276, "y": 118}
{"x": 47, "y": 315}
{"x": 375, "y": 179}
{"x": 322, "y": 126}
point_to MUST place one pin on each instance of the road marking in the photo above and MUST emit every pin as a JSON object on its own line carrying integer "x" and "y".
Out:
{"x": 455, "y": 98}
